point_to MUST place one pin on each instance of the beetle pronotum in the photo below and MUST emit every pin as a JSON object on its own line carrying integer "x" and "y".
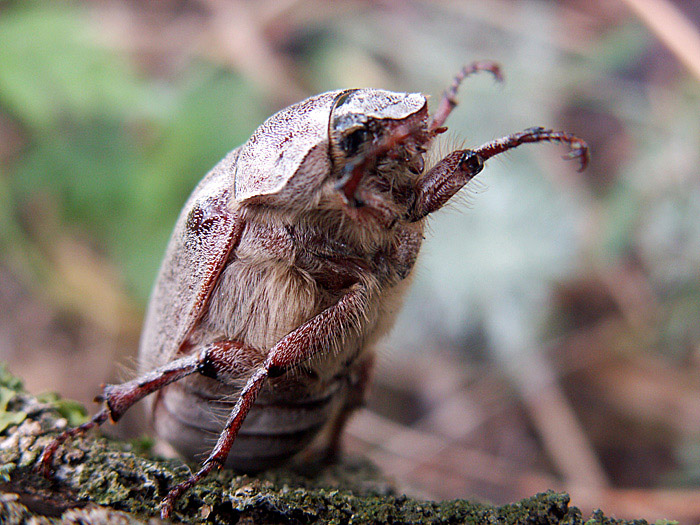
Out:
{"x": 288, "y": 262}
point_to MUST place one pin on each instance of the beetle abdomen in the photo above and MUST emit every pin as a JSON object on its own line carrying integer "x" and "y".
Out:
{"x": 275, "y": 430}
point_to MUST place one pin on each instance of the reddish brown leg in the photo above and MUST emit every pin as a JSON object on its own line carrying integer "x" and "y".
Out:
{"x": 445, "y": 179}
{"x": 449, "y": 98}
{"x": 218, "y": 456}
{"x": 118, "y": 398}
{"x": 579, "y": 148}
{"x": 355, "y": 399}
{"x": 450, "y": 175}
{"x": 295, "y": 348}
{"x": 47, "y": 454}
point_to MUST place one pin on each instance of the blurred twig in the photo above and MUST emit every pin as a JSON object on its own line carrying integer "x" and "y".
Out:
{"x": 411, "y": 454}
{"x": 434, "y": 464}
{"x": 645, "y": 386}
{"x": 559, "y": 427}
{"x": 673, "y": 29}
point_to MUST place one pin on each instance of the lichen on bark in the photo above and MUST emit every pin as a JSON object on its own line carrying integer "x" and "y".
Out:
{"x": 99, "y": 481}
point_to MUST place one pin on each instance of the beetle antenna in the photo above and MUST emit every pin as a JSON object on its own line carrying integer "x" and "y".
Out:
{"x": 579, "y": 148}
{"x": 449, "y": 98}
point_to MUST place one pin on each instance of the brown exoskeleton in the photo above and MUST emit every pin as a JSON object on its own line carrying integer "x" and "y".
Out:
{"x": 287, "y": 263}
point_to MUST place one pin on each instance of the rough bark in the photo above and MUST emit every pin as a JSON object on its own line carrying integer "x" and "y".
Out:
{"x": 99, "y": 481}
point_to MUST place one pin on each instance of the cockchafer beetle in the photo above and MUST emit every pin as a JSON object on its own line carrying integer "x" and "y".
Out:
{"x": 289, "y": 260}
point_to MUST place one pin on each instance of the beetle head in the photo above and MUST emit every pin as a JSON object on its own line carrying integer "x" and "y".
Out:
{"x": 347, "y": 154}
{"x": 376, "y": 144}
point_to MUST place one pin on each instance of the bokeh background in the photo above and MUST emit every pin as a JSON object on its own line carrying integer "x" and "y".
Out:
{"x": 552, "y": 338}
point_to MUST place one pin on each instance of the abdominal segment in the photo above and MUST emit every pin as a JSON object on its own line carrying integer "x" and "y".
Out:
{"x": 277, "y": 427}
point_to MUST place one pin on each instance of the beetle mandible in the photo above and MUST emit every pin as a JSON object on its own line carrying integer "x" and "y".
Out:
{"x": 287, "y": 263}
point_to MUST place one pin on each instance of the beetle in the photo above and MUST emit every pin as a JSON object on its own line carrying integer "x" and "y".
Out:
{"x": 287, "y": 263}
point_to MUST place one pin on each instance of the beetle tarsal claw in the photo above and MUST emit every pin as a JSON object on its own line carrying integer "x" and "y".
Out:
{"x": 344, "y": 180}
{"x": 347, "y": 186}
{"x": 580, "y": 152}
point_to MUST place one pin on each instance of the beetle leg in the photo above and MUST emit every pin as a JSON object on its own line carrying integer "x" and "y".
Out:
{"x": 450, "y": 175}
{"x": 47, "y": 454}
{"x": 579, "y": 148}
{"x": 355, "y": 399}
{"x": 293, "y": 349}
{"x": 449, "y": 98}
{"x": 443, "y": 181}
{"x": 119, "y": 398}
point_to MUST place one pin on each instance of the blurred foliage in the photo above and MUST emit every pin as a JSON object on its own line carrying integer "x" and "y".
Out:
{"x": 114, "y": 152}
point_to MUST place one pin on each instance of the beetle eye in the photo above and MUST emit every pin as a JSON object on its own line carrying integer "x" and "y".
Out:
{"x": 351, "y": 142}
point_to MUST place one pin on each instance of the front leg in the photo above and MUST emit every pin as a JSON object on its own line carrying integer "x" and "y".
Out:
{"x": 449, "y": 98}
{"x": 310, "y": 339}
{"x": 450, "y": 175}
{"x": 443, "y": 181}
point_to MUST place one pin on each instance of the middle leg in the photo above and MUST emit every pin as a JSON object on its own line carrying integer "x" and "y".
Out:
{"x": 214, "y": 359}
{"x": 295, "y": 348}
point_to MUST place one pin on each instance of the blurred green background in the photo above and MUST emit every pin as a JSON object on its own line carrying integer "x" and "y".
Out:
{"x": 552, "y": 336}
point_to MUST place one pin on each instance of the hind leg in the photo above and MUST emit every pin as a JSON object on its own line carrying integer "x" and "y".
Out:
{"x": 212, "y": 360}
{"x": 354, "y": 400}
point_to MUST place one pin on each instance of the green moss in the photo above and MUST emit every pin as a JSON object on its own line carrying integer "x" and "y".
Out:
{"x": 9, "y": 417}
{"x": 98, "y": 481}
{"x": 72, "y": 411}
